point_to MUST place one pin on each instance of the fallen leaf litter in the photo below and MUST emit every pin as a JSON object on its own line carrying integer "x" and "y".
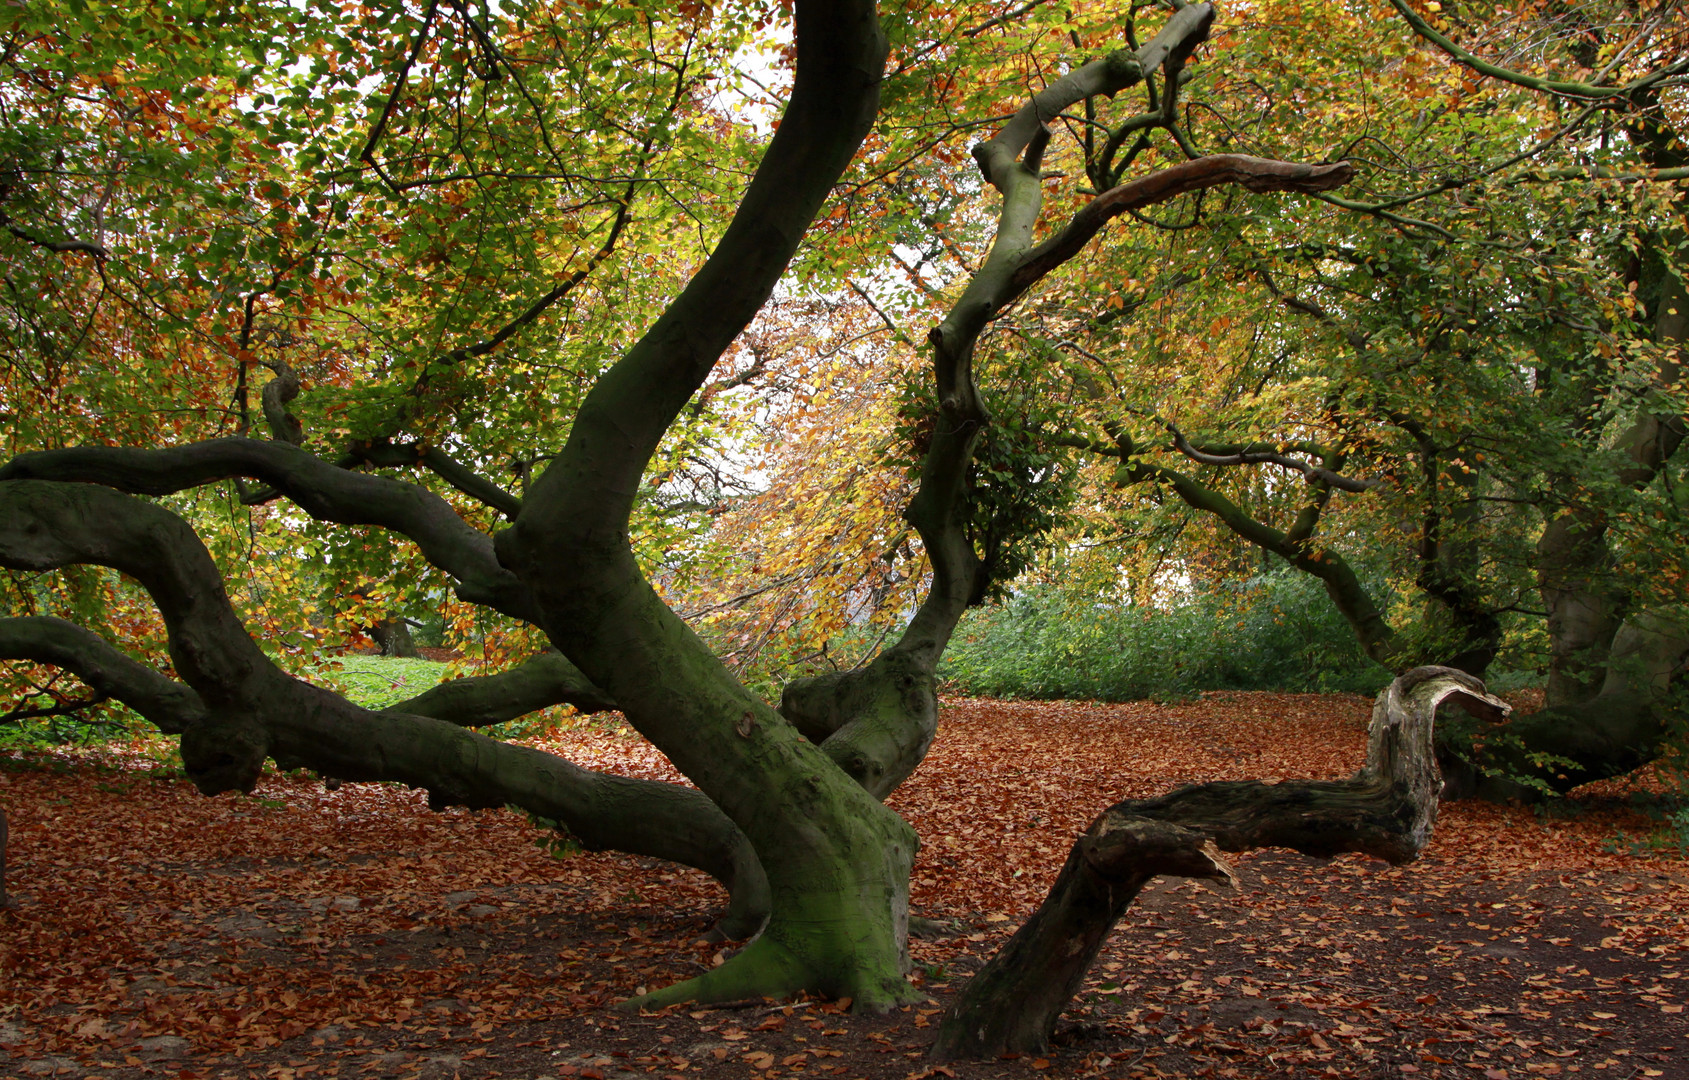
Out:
{"x": 308, "y": 933}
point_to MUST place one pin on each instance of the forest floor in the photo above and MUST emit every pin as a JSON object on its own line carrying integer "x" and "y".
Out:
{"x": 301, "y": 932}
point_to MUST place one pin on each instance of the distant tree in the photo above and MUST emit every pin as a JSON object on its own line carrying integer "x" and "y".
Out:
{"x": 1476, "y": 405}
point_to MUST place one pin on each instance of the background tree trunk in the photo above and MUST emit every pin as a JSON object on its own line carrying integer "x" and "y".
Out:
{"x": 394, "y": 637}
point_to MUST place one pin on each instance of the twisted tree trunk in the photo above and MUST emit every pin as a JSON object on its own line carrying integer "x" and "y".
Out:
{"x": 1386, "y": 810}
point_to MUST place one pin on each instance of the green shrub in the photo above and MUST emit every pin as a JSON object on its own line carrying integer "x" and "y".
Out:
{"x": 1278, "y": 631}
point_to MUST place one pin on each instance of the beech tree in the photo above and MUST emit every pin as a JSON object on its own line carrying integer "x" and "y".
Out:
{"x": 787, "y": 809}
{"x": 451, "y": 304}
{"x": 1473, "y": 405}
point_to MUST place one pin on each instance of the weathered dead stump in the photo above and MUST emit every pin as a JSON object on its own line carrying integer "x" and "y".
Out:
{"x": 1386, "y": 810}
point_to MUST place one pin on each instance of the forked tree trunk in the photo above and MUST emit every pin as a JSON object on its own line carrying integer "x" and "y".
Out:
{"x": 1386, "y": 810}
{"x": 837, "y": 861}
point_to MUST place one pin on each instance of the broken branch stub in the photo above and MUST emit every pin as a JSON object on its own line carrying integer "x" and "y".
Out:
{"x": 1386, "y": 810}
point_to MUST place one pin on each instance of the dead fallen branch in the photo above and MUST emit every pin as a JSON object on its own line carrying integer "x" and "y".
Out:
{"x": 1386, "y": 810}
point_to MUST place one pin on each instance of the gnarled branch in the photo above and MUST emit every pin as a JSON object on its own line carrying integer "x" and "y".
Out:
{"x": 60, "y": 246}
{"x": 322, "y": 490}
{"x": 253, "y": 710}
{"x": 1260, "y": 455}
{"x": 1182, "y": 33}
{"x": 1386, "y": 810}
{"x": 1252, "y": 173}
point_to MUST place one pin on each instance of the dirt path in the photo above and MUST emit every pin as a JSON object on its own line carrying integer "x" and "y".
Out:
{"x": 307, "y": 933}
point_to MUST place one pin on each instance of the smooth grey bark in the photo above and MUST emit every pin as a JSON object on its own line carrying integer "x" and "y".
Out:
{"x": 441, "y": 464}
{"x": 253, "y": 710}
{"x": 1585, "y": 607}
{"x": 1611, "y": 668}
{"x": 1387, "y": 810}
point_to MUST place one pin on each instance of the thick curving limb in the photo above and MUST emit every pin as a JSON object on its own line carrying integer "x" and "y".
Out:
{"x": 481, "y": 700}
{"x": 167, "y": 704}
{"x": 1251, "y": 173}
{"x": 253, "y": 710}
{"x": 1386, "y": 810}
{"x": 878, "y": 722}
{"x": 323, "y": 490}
{"x": 837, "y": 861}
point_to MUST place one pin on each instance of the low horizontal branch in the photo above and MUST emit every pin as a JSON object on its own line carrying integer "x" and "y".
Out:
{"x": 251, "y": 710}
{"x": 42, "y": 639}
{"x": 539, "y": 682}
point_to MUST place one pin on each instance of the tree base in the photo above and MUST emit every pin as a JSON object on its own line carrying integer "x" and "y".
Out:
{"x": 766, "y": 968}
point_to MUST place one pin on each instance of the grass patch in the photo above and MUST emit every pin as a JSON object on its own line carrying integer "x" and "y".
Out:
{"x": 376, "y": 682}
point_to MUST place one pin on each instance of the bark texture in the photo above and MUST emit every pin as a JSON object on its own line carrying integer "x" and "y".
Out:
{"x": 238, "y": 708}
{"x": 165, "y": 703}
{"x": 837, "y": 861}
{"x": 1386, "y": 810}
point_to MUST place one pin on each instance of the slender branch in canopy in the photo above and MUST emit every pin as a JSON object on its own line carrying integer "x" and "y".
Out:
{"x": 1263, "y": 456}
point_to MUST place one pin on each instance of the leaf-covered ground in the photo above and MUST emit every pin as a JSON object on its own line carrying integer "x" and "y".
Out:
{"x": 309, "y": 933}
